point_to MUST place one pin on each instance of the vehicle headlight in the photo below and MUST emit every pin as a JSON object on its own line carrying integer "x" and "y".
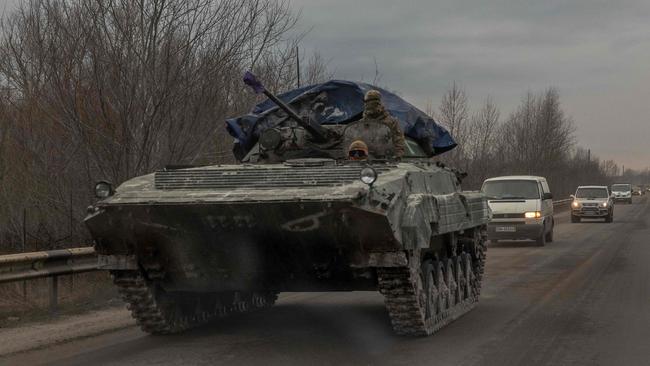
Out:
{"x": 533, "y": 215}
{"x": 604, "y": 204}
{"x": 103, "y": 190}
{"x": 368, "y": 175}
{"x": 575, "y": 204}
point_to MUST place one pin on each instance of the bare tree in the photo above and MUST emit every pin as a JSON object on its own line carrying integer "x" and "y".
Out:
{"x": 453, "y": 114}
{"x": 115, "y": 88}
{"x": 609, "y": 168}
{"x": 139, "y": 83}
{"x": 317, "y": 70}
{"x": 481, "y": 140}
{"x": 539, "y": 135}
{"x": 537, "y": 139}
{"x": 517, "y": 135}
{"x": 554, "y": 131}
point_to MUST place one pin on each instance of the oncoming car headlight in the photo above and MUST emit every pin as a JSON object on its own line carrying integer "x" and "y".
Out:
{"x": 604, "y": 204}
{"x": 575, "y": 204}
{"x": 368, "y": 175}
{"x": 103, "y": 190}
{"x": 533, "y": 215}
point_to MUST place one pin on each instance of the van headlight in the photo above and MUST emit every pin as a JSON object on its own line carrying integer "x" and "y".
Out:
{"x": 604, "y": 204}
{"x": 575, "y": 204}
{"x": 533, "y": 215}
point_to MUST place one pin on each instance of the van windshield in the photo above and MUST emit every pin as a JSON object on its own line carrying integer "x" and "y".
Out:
{"x": 621, "y": 188}
{"x": 591, "y": 193}
{"x": 511, "y": 189}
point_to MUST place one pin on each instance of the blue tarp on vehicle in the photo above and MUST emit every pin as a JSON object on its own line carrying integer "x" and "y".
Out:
{"x": 338, "y": 102}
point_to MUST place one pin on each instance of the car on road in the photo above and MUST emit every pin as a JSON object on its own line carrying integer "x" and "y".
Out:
{"x": 522, "y": 208}
{"x": 637, "y": 191}
{"x": 592, "y": 202}
{"x": 622, "y": 192}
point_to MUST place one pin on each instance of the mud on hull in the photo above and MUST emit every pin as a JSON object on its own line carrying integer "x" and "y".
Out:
{"x": 188, "y": 246}
{"x": 212, "y": 247}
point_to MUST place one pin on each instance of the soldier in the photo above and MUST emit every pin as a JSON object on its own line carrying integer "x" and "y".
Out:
{"x": 374, "y": 109}
{"x": 358, "y": 150}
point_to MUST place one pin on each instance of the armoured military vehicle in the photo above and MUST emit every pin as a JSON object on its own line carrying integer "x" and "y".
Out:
{"x": 188, "y": 245}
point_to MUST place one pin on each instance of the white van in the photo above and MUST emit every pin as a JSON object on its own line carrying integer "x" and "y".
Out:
{"x": 522, "y": 208}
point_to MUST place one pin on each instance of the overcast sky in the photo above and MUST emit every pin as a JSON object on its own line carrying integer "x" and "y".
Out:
{"x": 596, "y": 52}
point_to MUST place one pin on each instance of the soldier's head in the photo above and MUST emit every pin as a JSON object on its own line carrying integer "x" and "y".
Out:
{"x": 358, "y": 150}
{"x": 372, "y": 106}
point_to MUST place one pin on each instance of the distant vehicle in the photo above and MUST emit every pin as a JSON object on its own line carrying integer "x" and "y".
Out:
{"x": 637, "y": 191}
{"x": 592, "y": 202}
{"x": 522, "y": 208}
{"x": 622, "y": 192}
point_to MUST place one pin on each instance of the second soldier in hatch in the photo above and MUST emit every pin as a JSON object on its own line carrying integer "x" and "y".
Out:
{"x": 373, "y": 109}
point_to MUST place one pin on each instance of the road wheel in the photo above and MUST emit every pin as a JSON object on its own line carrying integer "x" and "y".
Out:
{"x": 431, "y": 295}
{"x": 609, "y": 217}
{"x": 423, "y": 300}
{"x": 159, "y": 312}
{"x": 575, "y": 219}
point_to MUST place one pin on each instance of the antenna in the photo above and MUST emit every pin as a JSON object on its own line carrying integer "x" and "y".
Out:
{"x": 298, "y": 65}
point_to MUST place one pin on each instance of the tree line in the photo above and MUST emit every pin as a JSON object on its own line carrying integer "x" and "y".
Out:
{"x": 111, "y": 89}
{"x": 537, "y": 138}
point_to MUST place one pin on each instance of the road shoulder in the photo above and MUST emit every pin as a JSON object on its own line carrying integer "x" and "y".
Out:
{"x": 65, "y": 328}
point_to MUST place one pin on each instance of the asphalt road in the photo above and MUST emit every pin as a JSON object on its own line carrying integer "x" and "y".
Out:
{"x": 581, "y": 300}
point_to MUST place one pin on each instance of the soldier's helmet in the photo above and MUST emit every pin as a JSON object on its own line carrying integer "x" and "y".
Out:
{"x": 372, "y": 105}
{"x": 358, "y": 150}
{"x": 372, "y": 95}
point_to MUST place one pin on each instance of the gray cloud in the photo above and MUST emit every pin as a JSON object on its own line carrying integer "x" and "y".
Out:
{"x": 596, "y": 52}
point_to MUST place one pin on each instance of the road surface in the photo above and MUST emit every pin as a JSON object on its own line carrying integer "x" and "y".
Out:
{"x": 581, "y": 300}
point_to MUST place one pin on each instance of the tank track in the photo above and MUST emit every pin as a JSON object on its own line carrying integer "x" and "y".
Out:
{"x": 421, "y": 301}
{"x": 157, "y": 312}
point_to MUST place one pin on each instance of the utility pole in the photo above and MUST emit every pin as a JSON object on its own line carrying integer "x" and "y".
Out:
{"x": 298, "y": 65}
{"x": 24, "y": 249}
{"x": 71, "y": 215}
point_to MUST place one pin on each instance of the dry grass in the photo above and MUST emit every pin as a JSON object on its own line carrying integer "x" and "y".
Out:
{"x": 77, "y": 293}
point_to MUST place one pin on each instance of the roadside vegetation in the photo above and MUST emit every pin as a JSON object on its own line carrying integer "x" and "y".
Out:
{"x": 113, "y": 89}
{"x": 538, "y": 138}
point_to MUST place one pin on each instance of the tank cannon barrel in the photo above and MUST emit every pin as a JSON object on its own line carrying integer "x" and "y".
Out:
{"x": 318, "y": 133}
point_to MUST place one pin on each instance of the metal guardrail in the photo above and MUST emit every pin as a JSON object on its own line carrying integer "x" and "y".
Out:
{"x": 562, "y": 204}
{"x": 50, "y": 264}
{"x": 27, "y": 266}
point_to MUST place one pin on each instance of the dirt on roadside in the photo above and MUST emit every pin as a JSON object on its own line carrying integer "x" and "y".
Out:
{"x": 63, "y": 328}
{"x": 26, "y": 302}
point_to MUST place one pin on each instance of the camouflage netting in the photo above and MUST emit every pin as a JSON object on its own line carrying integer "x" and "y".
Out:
{"x": 339, "y": 102}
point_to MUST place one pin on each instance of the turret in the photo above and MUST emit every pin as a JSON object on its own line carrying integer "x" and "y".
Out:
{"x": 317, "y": 132}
